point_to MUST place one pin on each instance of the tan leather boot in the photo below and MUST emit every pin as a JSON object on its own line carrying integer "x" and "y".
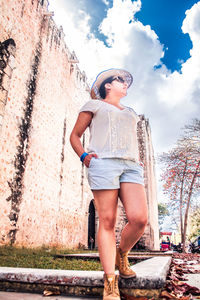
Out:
{"x": 111, "y": 290}
{"x": 122, "y": 264}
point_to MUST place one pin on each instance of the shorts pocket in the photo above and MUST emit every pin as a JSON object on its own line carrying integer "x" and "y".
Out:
{"x": 91, "y": 161}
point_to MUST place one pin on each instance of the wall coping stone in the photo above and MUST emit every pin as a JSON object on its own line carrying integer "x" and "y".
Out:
{"x": 131, "y": 255}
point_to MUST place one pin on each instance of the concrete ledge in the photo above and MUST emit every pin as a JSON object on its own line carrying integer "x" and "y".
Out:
{"x": 151, "y": 275}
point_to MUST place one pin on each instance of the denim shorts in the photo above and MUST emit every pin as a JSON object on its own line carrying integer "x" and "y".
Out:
{"x": 108, "y": 173}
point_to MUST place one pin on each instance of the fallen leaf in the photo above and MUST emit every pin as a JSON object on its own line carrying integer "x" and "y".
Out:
{"x": 179, "y": 283}
{"x": 168, "y": 295}
{"x": 47, "y": 293}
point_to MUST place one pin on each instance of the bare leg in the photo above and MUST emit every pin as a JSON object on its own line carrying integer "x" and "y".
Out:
{"x": 106, "y": 204}
{"x": 133, "y": 197}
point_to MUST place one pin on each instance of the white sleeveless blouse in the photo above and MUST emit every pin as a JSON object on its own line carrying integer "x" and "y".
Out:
{"x": 113, "y": 132}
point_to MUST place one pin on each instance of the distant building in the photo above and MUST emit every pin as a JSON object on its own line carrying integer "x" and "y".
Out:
{"x": 150, "y": 238}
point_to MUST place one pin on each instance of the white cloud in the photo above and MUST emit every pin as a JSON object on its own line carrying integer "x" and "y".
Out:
{"x": 191, "y": 24}
{"x": 116, "y": 24}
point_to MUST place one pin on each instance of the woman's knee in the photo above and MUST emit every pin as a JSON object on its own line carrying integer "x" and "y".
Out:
{"x": 108, "y": 222}
{"x": 140, "y": 221}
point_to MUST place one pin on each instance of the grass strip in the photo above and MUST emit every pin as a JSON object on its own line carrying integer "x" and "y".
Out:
{"x": 42, "y": 258}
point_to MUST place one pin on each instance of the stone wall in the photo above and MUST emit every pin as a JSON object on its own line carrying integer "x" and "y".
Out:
{"x": 44, "y": 195}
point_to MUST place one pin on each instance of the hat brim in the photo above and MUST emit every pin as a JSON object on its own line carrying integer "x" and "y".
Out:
{"x": 128, "y": 78}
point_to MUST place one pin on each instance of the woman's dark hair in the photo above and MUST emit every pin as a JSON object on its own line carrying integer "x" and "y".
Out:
{"x": 102, "y": 90}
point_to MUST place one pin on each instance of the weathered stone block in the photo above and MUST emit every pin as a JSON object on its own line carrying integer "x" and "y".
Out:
{"x": 8, "y": 71}
{"x": 2, "y": 108}
{"x": 3, "y": 96}
{"x": 11, "y": 62}
{"x": 1, "y": 120}
{"x": 6, "y": 82}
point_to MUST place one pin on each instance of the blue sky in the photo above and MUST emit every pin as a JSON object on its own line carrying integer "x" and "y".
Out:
{"x": 158, "y": 41}
{"x": 166, "y": 17}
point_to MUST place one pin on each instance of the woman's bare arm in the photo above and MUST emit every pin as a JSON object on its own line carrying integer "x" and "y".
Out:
{"x": 83, "y": 121}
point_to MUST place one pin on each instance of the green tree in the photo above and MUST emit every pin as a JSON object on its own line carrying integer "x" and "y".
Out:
{"x": 162, "y": 213}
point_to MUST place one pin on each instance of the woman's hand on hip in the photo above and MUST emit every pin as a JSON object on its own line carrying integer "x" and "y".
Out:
{"x": 88, "y": 158}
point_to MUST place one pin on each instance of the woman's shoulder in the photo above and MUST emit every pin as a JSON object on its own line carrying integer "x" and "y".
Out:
{"x": 91, "y": 105}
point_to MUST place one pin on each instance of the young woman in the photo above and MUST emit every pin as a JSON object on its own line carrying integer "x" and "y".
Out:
{"x": 113, "y": 170}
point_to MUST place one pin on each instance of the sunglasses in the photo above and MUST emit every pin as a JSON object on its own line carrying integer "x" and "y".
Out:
{"x": 119, "y": 79}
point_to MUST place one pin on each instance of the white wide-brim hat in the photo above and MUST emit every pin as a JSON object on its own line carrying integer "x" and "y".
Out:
{"x": 128, "y": 78}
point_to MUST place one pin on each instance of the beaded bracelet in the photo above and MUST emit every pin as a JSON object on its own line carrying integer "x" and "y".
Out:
{"x": 82, "y": 157}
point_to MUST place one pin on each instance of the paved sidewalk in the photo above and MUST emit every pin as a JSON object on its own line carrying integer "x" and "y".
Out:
{"x": 194, "y": 279}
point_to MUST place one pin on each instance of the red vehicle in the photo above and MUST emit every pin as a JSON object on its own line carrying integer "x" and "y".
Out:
{"x": 165, "y": 244}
